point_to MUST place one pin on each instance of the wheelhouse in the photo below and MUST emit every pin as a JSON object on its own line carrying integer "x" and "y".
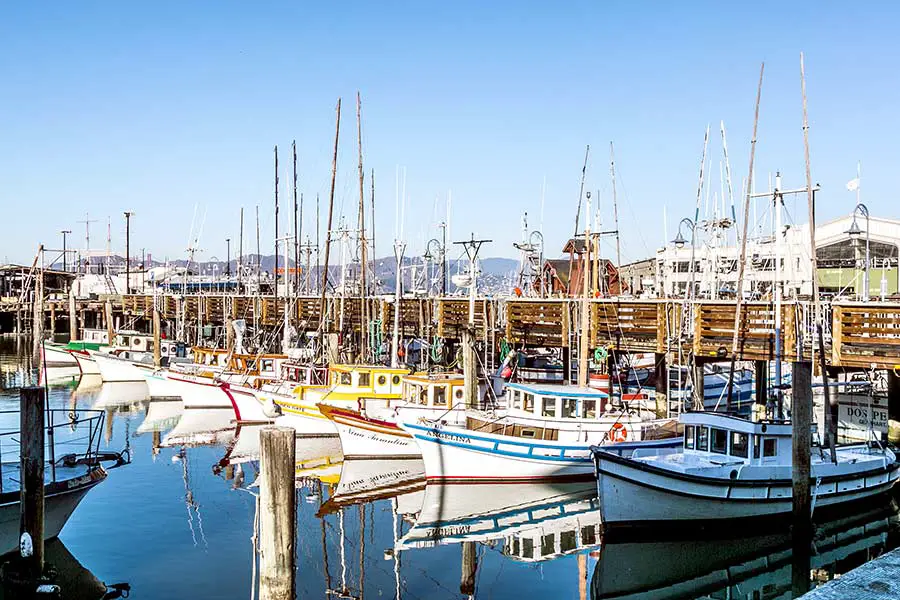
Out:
{"x": 434, "y": 391}
{"x": 367, "y": 379}
{"x": 555, "y": 401}
{"x": 710, "y": 435}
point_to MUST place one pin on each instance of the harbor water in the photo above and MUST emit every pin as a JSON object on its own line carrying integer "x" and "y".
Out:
{"x": 178, "y": 522}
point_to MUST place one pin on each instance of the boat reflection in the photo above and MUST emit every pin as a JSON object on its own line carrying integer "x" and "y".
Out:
{"x": 120, "y": 393}
{"x": 534, "y": 522}
{"x": 201, "y": 427}
{"x": 162, "y": 415}
{"x": 751, "y": 566}
{"x": 367, "y": 480}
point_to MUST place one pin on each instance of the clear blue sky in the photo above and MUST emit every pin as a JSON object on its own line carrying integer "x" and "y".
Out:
{"x": 111, "y": 106}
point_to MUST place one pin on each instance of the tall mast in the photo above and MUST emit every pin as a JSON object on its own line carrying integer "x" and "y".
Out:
{"x": 240, "y": 250}
{"x": 374, "y": 256}
{"x": 258, "y": 255}
{"x": 275, "y": 271}
{"x": 296, "y": 232}
{"x": 337, "y": 131}
{"x": 743, "y": 259}
{"x": 612, "y": 174}
{"x": 585, "y": 305}
{"x": 587, "y": 151}
{"x": 363, "y": 255}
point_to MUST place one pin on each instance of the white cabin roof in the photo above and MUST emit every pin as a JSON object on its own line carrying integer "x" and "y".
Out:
{"x": 563, "y": 391}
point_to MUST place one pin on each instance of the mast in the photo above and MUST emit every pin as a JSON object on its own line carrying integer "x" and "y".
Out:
{"x": 372, "y": 181}
{"x": 258, "y": 255}
{"x": 363, "y": 255}
{"x": 612, "y": 173}
{"x": 587, "y": 151}
{"x": 296, "y": 232}
{"x": 275, "y": 271}
{"x": 585, "y": 305}
{"x": 743, "y": 259}
{"x": 337, "y": 131}
{"x": 240, "y": 250}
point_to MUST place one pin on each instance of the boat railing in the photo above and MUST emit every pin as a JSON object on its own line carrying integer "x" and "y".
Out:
{"x": 71, "y": 439}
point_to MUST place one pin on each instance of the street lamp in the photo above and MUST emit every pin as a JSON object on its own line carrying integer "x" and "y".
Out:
{"x": 436, "y": 250}
{"x": 854, "y": 232}
{"x": 680, "y": 240}
{"x": 64, "y": 233}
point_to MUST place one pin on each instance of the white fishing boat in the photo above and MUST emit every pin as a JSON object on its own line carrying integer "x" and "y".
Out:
{"x": 86, "y": 363}
{"x": 545, "y": 433}
{"x": 370, "y": 430}
{"x": 731, "y": 468}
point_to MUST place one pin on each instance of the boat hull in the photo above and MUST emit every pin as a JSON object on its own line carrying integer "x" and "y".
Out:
{"x": 366, "y": 437}
{"x": 117, "y": 369}
{"x": 58, "y": 356}
{"x": 86, "y": 363}
{"x": 197, "y": 392}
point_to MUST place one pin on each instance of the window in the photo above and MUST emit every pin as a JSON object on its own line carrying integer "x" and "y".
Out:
{"x": 755, "y": 446}
{"x": 718, "y": 441}
{"x": 588, "y": 536}
{"x": 423, "y": 396}
{"x": 268, "y": 365}
{"x": 395, "y": 380}
{"x": 548, "y": 544}
{"x": 345, "y": 378}
{"x": 590, "y": 409}
{"x": 440, "y": 396}
{"x": 770, "y": 447}
{"x": 689, "y": 433}
{"x": 568, "y": 540}
{"x": 516, "y": 399}
{"x": 529, "y": 402}
{"x": 458, "y": 394}
{"x": 381, "y": 380}
{"x": 570, "y": 408}
{"x": 527, "y": 548}
{"x": 528, "y": 433}
{"x": 365, "y": 379}
{"x": 548, "y": 408}
{"x": 740, "y": 443}
{"x": 703, "y": 438}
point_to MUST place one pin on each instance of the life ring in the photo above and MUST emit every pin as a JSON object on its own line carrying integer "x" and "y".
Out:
{"x": 618, "y": 433}
{"x": 600, "y": 354}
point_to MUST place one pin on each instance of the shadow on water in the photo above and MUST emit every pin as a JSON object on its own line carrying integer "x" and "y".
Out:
{"x": 179, "y": 522}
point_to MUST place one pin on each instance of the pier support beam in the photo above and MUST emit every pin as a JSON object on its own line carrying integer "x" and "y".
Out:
{"x": 157, "y": 339}
{"x": 761, "y": 381}
{"x": 893, "y": 391}
{"x": 37, "y": 323}
{"x": 660, "y": 371}
{"x": 277, "y": 514}
{"x": 73, "y": 319}
{"x": 698, "y": 382}
{"x": 470, "y": 368}
{"x": 31, "y": 495}
{"x": 801, "y": 419}
{"x": 52, "y": 321}
{"x": 110, "y": 330}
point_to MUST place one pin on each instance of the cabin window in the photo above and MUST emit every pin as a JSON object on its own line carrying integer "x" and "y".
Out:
{"x": 590, "y": 409}
{"x": 365, "y": 379}
{"x": 529, "y": 402}
{"x": 381, "y": 380}
{"x": 703, "y": 438}
{"x": 568, "y": 540}
{"x": 528, "y": 433}
{"x": 689, "y": 435}
{"x": 345, "y": 378}
{"x": 423, "y": 396}
{"x": 268, "y": 365}
{"x": 770, "y": 447}
{"x": 588, "y": 535}
{"x": 395, "y": 380}
{"x": 570, "y": 408}
{"x": 527, "y": 548}
{"x": 740, "y": 443}
{"x": 548, "y": 544}
{"x": 755, "y": 446}
{"x": 548, "y": 407}
{"x": 516, "y": 399}
{"x": 458, "y": 394}
{"x": 440, "y": 396}
{"x": 718, "y": 441}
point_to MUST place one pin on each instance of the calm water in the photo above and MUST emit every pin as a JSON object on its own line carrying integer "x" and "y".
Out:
{"x": 178, "y": 523}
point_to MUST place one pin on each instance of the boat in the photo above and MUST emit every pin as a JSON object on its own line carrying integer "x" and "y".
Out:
{"x": 731, "y": 468}
{"x": 67, "y": 480}
{"x": 62, "y": 355}
{"x": 367, "y": 480}
{"x": 370, "y": 430}
{"x": 133, "y": 355}
{"x": 715, "y": 389}
{"x": 545, "y": 432}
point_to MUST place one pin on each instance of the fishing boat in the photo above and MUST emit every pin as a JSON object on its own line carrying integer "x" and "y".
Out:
{"x": 544, "y": 433}
{"x": 370, "y": 429}
{"x": 68, "y": 479}
{"x": 715, "y": 388}
{"x": 63, "y": 355}
{"x": 132, "y": 356}
{"x": 731, "y": 468}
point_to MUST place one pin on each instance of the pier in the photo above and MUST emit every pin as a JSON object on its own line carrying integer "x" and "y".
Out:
{"x": 874, "y": 580}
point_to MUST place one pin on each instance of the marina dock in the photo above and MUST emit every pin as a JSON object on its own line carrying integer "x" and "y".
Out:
{"x": 874, "y": 580}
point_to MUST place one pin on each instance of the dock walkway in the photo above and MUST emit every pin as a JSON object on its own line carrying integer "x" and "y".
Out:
{"x": 876, "y": 580}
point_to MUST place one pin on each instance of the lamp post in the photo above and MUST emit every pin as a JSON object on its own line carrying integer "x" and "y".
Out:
{"x": 64, "y": 233}
{"x": 854, "y": 233}
{"x": 680, "y": 241}
{"x": 228, "y": 257}
{"x": 436, "y": 250}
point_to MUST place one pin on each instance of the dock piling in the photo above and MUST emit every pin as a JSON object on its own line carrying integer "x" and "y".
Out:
{"x": 157, "y": 342}
{"x": 801, "y": 531}
{"x": 73, "y": 320}
{"x": 469, "y": 568}
{"x": 278, "y": 514}
{"x": 31, "y": 495}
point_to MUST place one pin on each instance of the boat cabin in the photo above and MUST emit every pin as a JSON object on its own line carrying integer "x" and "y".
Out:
{"x": 304, "y": 374}
{"x": 95, "y": 336}
{"x": 211, "y": 357}
{"x": 134, "y": 341}
{"x": 710, "y": 434}
{"x": 438, "y": 391}
{"x": 264, "y": 366}
{"x": 366, "y": 379}
{"x": 552, "y": 540}
{"x": 555, "y": 401}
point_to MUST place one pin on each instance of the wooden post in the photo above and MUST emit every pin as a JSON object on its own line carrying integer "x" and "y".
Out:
{"x": 37, "y": 323}
{"x": 470, "y": 369}
{"x": 761, "y": 380}
{"x": 110, "y": 330}
{"x": 52, "y": 320}
{"x": 893, "y": 391}
{"x": 31, "y": 496}
{"x": 801, "y": 418}
{"x": 157, "y": 339}
{"x": 698, "y": 383}
{"x": 229, "y": 327}
{"x": 73, "y": 318}
{"x": 662, "y": 385}
{"x": 469, "y": 567}
{"x": 277, "y": 515}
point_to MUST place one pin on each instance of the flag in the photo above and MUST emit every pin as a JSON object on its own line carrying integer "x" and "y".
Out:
{"x": 853, "y": 185}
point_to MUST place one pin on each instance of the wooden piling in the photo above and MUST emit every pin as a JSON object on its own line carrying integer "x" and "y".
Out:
{"x": 893, "y": 391}
{"x": 37, "y": 322}
{"x": 801, "y": 418}
{"x": 73, "y": 320}
{"x": 110, "y": 330}
{"x": 662, "y": 385}
{"x": 31, "y": 495}
{"x": 469, "y": 568}
{"x": 157, "y": 339}
{"x": 470, "y": 369}
{"x": 53, "y": 321}
{"x": 698, "y": 383}
{"x": 278, "y": 514}
{"x": 761, "y": 380}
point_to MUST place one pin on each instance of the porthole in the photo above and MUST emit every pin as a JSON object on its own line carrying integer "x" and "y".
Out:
{"x": 382, "y": 380}
{"x": 458, "y": 394}
{"x": 395, "y": 380}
